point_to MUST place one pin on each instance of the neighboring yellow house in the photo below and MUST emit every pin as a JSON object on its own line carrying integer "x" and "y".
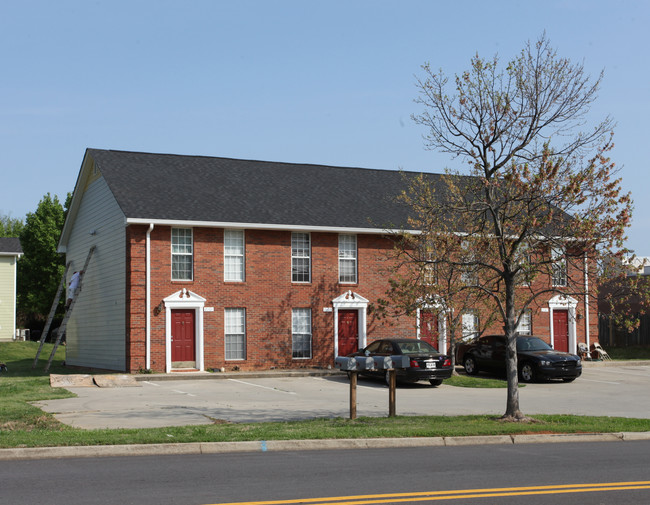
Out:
{"x": 10, "y": 251}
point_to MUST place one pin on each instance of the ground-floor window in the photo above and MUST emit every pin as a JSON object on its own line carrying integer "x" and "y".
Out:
{"x": 301, "y": 333}
{"x": 235, "y": 333}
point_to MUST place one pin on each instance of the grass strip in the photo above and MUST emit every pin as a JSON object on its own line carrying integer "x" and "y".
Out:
{"x": 23, "y": 425}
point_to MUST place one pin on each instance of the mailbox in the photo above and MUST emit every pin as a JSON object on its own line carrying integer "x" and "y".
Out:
{"x": 365, "y": 363}
{"x": 345, "y": 364}
{"x": 401, "y": 361}
{"x": 383, "y": 362}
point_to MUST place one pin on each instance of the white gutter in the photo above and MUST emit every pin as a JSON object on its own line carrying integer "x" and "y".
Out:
{"x": 586, "y": 301}
{"x": 262, "y": 226}
{"x": 148, "y": 300}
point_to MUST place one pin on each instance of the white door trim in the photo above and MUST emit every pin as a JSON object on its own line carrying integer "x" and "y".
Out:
{"x": 184, "y": 299}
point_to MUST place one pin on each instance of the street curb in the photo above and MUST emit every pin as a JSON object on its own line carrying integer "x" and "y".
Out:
{"x": 198, "y": 448}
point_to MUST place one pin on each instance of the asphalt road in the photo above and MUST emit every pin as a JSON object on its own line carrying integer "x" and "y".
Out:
{"x": 535, "y": 474}
{"x": 610, "y": 391}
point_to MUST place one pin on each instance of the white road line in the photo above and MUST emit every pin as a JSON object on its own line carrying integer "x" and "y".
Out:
{"x": 264, "y": 387}
{"x": 152, "y": 383}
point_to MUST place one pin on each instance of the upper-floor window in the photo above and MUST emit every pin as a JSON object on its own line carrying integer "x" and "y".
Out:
{"x": 182, "y": 252}
{"x": 300, "y": 257}
{"x": 469, "y": 323}
{"x": 301, "y": 333}
{"x": 468, "y": 274}
{"x": 525, "y": 326}
{"x": 429, "y": 269}
{"x": 233, "y": 255}
{"x": 348, "y": 259}
{"x": 559, "y": 267}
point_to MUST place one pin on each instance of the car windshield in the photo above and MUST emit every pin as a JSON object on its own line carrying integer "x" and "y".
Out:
{"x": 416, "y": 347}
{"x": 532, "y": 344}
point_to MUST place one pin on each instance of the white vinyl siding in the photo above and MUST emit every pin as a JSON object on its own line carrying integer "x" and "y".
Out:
{"x": 95, "y": 335}
{"x": 233, "y": 255}
{"x": 300, "y": 257}
{"x": 182, "y": 254}
{"x": 235, "y": 334}
{"x": 348, "y": 259}
{"x": 301, "y": 333}
{"x": 7, "y": 297}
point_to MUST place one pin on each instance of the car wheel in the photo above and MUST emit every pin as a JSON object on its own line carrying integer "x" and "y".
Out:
{"x": 527, "y": 373}
{"x": 470, "y": 365}
{"x": 569, "y": 379}
{"x": 435, "y": 382}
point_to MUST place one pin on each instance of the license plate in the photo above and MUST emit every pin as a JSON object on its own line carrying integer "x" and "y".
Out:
{"x": 430, "y": 364}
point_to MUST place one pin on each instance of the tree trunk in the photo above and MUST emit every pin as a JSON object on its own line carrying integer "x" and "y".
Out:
{"x": 512, "y": 403}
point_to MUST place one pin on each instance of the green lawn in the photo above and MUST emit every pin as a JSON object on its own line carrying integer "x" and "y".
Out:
{"x": 22, "y": 425}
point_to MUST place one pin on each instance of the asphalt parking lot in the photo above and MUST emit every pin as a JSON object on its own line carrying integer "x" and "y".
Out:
{"x": 622, "y": 390}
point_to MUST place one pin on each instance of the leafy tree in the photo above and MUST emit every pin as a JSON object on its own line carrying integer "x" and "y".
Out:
{"x": 41, "y": 267}
{"x": 543, "y": 206}
{"x": 419, "y": 277}
{"x": 10, "y": 226}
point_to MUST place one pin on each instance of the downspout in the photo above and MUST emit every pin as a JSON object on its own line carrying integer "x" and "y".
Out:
{"x": 148, "y": 300}
{"x": 586, "y": 301}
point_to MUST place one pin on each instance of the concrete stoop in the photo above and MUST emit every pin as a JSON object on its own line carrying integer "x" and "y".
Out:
{"x": 85, "y": 380}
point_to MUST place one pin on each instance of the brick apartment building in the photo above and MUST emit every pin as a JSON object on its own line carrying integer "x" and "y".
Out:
{"x": 202, "y": 263}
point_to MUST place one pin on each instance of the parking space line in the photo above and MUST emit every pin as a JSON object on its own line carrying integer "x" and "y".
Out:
{"x": 263, "y": 387}
{"x": 152, "y": 383}
{"x": 641, "y": 374}
{"x": 182, "y": 392}
{"x": 346, "y": 384}
{"x": 582, "y": 379}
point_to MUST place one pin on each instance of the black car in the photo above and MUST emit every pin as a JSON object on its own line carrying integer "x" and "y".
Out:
{"x": 535, "y": 358}
{"x": 425, "y": 362}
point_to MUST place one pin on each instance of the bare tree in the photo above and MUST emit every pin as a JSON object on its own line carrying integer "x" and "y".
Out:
{"x": 542, "y": 205}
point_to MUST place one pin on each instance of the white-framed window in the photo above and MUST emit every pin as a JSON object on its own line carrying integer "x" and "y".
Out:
{"x": 235, "y": 334}
{"x": 559, "y": 267}
{"x": 525, "y": 326}
{"x": 300, "y": 257}
{"x": 233, "y": 255}
{"x": 429, "y": 268}
{"x": 469, "y": 324}
{"x": 182, "y": 253}
{"x": 468, "y": 274}
{"x": 347, "y": 259}
{"x": 301, "y": 333}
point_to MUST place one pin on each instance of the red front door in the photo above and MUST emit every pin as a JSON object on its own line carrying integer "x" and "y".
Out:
{"x": 183, "y": 335}
{"x": 348, "y": 332}
{"x": 429, "y": 327}
{"x": 561, "y": 330}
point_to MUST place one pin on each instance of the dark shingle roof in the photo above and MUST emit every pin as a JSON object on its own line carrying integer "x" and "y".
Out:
{"x": 10, "y": 245}
{"x": 197, "y": 188}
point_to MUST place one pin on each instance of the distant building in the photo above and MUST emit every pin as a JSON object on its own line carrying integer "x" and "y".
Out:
{"x": 10, "y": 252}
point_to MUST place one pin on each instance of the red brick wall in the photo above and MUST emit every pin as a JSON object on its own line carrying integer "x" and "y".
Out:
{"x": 267, "y": 294}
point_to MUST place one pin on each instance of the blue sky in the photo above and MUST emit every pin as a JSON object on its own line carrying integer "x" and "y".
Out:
{"x": 329, "y": 82}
